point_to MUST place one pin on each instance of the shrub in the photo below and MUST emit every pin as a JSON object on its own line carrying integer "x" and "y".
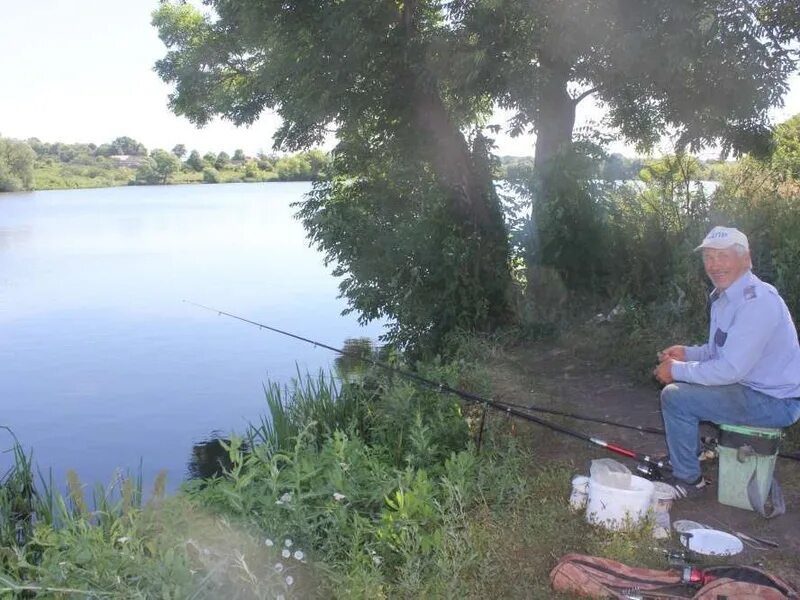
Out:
{"x": 210, "y": 175}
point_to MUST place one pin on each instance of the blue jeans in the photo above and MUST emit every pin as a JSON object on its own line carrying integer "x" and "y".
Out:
{"x": 684, "y": 405}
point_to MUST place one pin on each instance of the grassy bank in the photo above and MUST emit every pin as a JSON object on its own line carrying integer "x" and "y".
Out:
{"x": 370, "y": 488}
{"x": 361, "y": 487}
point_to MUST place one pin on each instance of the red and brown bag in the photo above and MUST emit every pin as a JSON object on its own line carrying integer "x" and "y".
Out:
{"x": 592, "y": 577}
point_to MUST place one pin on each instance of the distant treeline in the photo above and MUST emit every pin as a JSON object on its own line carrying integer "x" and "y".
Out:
{"x": 36, "y": 165}
{"x": 614, "y": 167}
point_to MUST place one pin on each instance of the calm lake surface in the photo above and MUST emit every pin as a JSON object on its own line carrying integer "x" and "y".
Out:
{"x": 101, "y": 363}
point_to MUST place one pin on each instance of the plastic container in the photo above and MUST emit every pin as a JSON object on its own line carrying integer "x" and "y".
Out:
{"x": 580, "y": 492}
{"x": 743, "y": 452}
{"x": 615, "y": 508}
{"x": 663, "y": 495}
{"x": 610, "y": 472}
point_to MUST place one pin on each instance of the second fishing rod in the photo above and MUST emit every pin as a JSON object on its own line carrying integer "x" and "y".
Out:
{"x": 647, "y": 465}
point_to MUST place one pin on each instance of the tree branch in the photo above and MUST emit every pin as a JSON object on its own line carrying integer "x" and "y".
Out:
{"x": 770, "y": 33}
{"x": 586, "y": 94}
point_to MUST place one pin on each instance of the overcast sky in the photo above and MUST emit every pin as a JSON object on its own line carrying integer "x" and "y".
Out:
{"x": 82, "y": 71}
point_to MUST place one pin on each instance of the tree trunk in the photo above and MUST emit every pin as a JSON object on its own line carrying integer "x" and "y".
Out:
{"x": 554, "y": 127}
{"x": 556, "y": 117}
{"x": 473, "y": 201}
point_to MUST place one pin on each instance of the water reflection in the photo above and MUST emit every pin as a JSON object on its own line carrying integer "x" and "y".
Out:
{"x": 351, "y": 365}
{"x": 210, "y": 458}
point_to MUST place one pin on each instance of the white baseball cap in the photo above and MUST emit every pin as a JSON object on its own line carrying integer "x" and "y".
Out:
{"x": 724, "y": 237}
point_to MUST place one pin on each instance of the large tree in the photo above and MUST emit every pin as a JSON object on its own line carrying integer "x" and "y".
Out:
{"x": 382, "y": 75}
{"x": 707, "y": 71}
{"x": 704, "y": 71}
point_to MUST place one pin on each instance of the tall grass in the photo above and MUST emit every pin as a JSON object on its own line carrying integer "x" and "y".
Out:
{"x": 19, "y": 500}
{"x": 25, "y": 504}
{"x": 317, "y": 402}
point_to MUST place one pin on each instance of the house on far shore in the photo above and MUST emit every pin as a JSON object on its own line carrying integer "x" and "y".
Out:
{"x": 132, "y": 161}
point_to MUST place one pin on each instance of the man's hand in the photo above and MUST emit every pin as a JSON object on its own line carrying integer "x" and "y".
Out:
{"x": 663, "y": 371}
{"x": 673, "y": 352}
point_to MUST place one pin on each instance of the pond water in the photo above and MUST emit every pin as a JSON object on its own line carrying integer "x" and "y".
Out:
{"x": 102, "y": 364}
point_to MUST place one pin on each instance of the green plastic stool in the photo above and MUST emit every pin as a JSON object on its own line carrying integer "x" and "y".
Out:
{"x": 746, "y": 453}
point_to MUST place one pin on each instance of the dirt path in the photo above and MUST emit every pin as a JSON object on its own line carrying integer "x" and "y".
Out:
{"x": 554, "y": 376}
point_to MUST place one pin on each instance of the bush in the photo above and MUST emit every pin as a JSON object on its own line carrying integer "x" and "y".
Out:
{"x": 210, "y": 175}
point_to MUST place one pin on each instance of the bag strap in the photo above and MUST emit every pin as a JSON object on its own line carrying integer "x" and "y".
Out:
{"x": 745, "y": 574}
{"x": 775, "y": 497}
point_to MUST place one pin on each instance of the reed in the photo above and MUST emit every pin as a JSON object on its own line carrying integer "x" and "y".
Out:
{"x": 316, "y": 402}
{"x": 19, "y": 500}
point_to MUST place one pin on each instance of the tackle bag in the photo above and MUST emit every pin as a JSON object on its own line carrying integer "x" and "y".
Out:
{"x": 593, "y": 577}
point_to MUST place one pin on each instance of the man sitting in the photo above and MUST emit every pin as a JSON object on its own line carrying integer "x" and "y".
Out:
{"x": 747, "y": 374}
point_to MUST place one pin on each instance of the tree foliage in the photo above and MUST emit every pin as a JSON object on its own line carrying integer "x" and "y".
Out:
{"x": 16, "y": 165}
{"x": 179, "y": 150}
{"x": 158, "y": 167}
{"x": 383, "y": 73}
{"x": 702, "y": 71}
{"x": 194, "y": 161}
{"x": 223, "y": 160}
{"x": 126, "y": 146}
{"x": 786, "y": 159}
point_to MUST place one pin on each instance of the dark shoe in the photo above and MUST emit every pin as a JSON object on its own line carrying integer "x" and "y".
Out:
{"x": 687, "y": 489}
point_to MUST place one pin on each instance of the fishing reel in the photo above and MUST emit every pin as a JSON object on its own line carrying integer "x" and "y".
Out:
{"x": 678, "y": 559}
{"x": 650, "y": 470}
{"x": 683, "y": 561}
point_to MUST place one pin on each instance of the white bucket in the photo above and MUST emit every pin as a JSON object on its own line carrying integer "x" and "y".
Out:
{"x": 616, "y": 508}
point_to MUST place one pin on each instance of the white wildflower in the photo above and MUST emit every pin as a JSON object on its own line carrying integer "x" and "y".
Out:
{"x": 268, "y": 543}
{"x": 123, "y": 539}
{"x": 377, "y": 560}
{"x": 338, "y": 497}
{"x": 298, "y": 555}
{"x": 286, "y": 498}
{"x": 286, "y": 553}
{"x": 289, "y": 580}
{"x": 288, "y": 543}
{"x": 279, "y": 567}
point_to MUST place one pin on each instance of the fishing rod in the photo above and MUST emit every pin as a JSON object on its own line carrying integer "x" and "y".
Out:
{"x": 540, "y": 409}
{"x": 649, "y": 466}
{"x": 551, "y": 411}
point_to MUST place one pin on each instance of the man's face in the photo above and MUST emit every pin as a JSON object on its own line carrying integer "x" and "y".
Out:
{"x": 723, "y": 267}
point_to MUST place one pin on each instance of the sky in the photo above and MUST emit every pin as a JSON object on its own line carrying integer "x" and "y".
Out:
{"x": 82, "y": 71}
